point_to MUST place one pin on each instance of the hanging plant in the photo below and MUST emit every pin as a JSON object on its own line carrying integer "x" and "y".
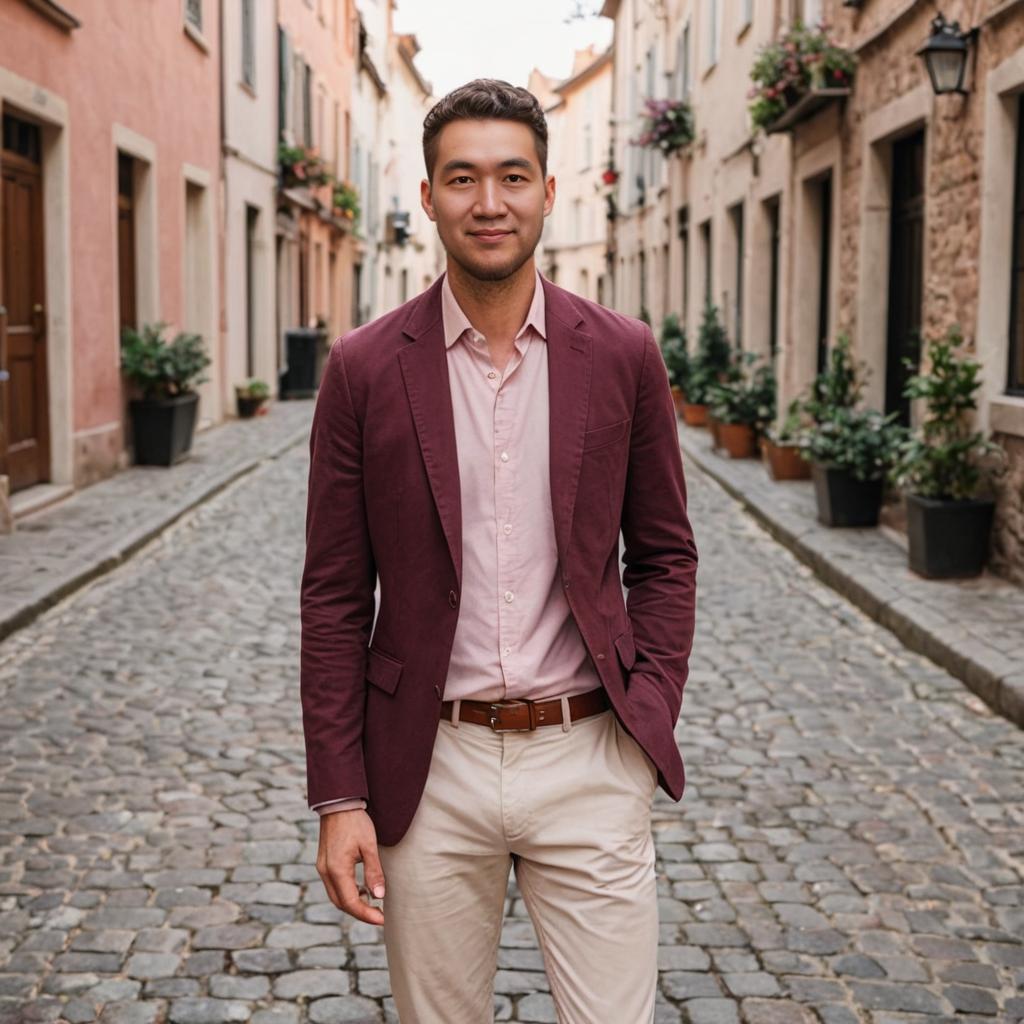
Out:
{"x": 345, "y": 201}
{"x": 668, "y": 126}
{"x": 799, "y": 61}
{"x": 301, "y": 166}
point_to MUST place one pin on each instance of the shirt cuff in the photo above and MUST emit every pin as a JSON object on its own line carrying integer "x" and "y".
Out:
{"x": 347, "y": 804}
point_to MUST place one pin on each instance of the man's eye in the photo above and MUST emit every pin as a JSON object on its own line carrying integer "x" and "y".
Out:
{"x": 519, "y": 176}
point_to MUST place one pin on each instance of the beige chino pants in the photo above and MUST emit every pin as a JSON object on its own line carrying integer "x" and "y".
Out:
{"x": 573, "y": 803}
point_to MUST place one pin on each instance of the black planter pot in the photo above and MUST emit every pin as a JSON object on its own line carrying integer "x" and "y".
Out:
{"x": 948, "y": 539}
{"x": 843, "y": 500}
{"x": 162, "y": 428}
{"x": 247, "y": 407}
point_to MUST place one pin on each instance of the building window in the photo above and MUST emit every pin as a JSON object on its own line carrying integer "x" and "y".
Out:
{"x": 248, "y": 45}
{"x": 684, "y": 242}
{"x": 307, "y": 104}
{"x": 194, "y": 14}
{"x": 683, "y": 64}
{"x": 773, "y": 276}
{"x": 736, "y": 216}
{"x": 746, "y": 13}
{"x": 712, "y": 32}
{"x": 705, "y": 245}
{"x": 824, "y": 268}
{"x": 1015, "y": 383}
{"x": 283, "y": 69}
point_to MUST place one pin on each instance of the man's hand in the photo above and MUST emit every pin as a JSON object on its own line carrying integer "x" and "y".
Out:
{"x": 347, "y": 837}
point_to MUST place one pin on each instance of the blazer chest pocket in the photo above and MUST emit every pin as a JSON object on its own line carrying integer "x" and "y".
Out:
{"x": 601, "y": 437}
{"x": 383, "y": 670}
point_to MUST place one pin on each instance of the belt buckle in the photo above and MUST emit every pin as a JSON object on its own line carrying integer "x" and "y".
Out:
{"x": 530, "y": 712}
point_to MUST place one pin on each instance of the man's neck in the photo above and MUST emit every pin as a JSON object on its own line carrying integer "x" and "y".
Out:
{"x": 496, "y": 309}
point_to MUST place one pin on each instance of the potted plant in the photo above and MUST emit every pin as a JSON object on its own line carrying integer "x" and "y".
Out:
{"x": 668, "y": 126}
{"x": 677, "y": 359}
{"x": 345, "y": 201}
{"x": 851, "y": 451}
{"x": 742, "y": 405}
{"x": 780, "y": 445}
{"x": 250, "y": 396}
{"x": 800, "y": 61}
{"x": 851, "y": 454}
{"x": 940, "y": 466}
{"x": 301, "y": 167}
{"x": 712, "y": 363}
{"x": 166, "y": 373}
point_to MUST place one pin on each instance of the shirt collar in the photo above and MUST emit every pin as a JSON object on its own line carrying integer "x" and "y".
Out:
{"x": 456, "y": 322}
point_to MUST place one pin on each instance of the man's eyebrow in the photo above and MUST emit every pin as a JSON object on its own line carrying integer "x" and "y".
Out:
{"x": 468, "y": 165}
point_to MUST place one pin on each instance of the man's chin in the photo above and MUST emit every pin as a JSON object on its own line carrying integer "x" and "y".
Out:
{"x": 486, "y": 270}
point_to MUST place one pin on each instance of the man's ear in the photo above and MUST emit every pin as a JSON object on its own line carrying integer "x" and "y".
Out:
{"x": 426, "y": 199}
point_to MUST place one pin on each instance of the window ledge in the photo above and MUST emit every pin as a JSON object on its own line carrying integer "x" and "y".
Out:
{"x": 196, "y": 36}
{"x": 246, "y": 87}
{"x": 53, "y": 11}
{"x": 1006, "y": 415}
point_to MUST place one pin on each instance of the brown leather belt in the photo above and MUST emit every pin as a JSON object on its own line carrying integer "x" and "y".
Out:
{"x": 521, "y": 715}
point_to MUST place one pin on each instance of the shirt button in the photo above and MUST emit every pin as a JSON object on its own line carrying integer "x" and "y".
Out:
{"x": 491, "y": 374}
{"x": 507, "y": 528}
{"x": 508, "y": 650}
{"x": 600, "y": 657}
{"x": 453, "y": 598}
{"x": 509, "y": 595}
{"x": 504, "y": 456}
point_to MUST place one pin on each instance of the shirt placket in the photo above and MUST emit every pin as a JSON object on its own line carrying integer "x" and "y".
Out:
{"x": 506, "y": 486}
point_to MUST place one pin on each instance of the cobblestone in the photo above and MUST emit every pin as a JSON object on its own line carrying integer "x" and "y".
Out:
{"x": 848, "y": 850}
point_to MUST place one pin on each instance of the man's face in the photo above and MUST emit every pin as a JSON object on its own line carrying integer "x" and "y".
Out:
{"x": 488, "y": 197}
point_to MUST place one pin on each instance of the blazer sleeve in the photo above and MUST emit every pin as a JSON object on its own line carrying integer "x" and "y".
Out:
{"x": 660, "y": 553}
{"x": 336, "y": 594}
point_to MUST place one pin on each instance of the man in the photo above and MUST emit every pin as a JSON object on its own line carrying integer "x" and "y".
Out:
{"x": 478, "y": 450}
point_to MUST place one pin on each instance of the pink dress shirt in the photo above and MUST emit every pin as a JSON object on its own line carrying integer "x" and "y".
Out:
{"x": 515, "y": 635}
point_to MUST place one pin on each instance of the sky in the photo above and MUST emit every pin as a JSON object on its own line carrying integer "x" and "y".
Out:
{"x": 464, "y": 39}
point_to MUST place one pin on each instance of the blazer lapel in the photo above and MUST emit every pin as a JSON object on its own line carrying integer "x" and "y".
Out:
{"x": 570, "y": 360}
{"x": 425, "y": 372}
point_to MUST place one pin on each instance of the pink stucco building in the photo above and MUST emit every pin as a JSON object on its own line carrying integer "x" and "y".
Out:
{"x": 110, "y": 174}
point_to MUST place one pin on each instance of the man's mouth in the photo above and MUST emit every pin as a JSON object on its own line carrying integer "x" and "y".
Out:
{"x": 490, "y": 236}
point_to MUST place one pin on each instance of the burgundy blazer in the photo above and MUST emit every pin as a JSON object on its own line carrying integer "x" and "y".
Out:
{"x": 384, "y": 502}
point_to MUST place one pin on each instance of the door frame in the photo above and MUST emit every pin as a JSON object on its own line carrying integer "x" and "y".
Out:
{"x": 31, "y": 100}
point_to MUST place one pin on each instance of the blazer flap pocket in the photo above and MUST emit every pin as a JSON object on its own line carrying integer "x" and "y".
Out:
{"x": 626, "y": 648}
{"x": 598, "y": 437}
{"x": 382, "y": 669}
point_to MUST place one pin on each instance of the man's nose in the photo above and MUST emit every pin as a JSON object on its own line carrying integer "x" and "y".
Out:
{"x": 489, "y": 201}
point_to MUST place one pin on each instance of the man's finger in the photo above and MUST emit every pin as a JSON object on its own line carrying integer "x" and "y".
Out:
{"x": 351, "y": 902}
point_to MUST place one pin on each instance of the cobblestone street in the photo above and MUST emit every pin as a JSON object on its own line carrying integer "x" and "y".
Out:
{"x": 850, "y": 847}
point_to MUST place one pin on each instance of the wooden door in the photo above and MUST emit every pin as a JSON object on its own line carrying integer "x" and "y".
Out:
{"x": 906, "y": 271}
{"x": 25, "y": 443}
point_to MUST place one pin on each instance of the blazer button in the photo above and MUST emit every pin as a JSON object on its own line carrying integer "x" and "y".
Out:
{"x": 453, "y": 598}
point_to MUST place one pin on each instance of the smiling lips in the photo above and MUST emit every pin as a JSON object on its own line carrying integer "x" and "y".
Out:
{"x": 491, "y": 236}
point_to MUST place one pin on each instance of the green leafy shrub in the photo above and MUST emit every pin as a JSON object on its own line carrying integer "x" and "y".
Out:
{"x": 861, "y": 442}
{"x": 943, "y": 458}
{"x": 162, "y": 369}
{"x": 673, "y": 351}
{"x": 746, "y": 395}
{"x": 713, "y": 361}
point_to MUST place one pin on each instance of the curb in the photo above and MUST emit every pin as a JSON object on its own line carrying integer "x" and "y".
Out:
{"x": 995, "y": 678}
{"x": 125, "y": 545}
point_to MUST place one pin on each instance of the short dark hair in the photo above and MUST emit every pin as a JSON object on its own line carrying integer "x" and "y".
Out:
{"x": 481, "y": 99}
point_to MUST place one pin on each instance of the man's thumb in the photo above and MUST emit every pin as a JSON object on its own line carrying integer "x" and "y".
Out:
{"x": 373, "y": 873}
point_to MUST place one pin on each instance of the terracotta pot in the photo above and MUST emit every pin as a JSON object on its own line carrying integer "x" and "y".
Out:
{"x": 739, "y": 440}
{"x": 695, "y": 415}
{"x": 677, "y": 398}
{"x": 784, "y": 461}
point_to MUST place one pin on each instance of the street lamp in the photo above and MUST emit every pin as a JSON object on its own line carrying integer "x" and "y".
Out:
{"x": 945, "y": 56}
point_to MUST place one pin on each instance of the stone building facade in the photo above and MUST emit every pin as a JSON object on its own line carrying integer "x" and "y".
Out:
{"x": 888, "y": 214}
{"x": 574, "y": 250}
